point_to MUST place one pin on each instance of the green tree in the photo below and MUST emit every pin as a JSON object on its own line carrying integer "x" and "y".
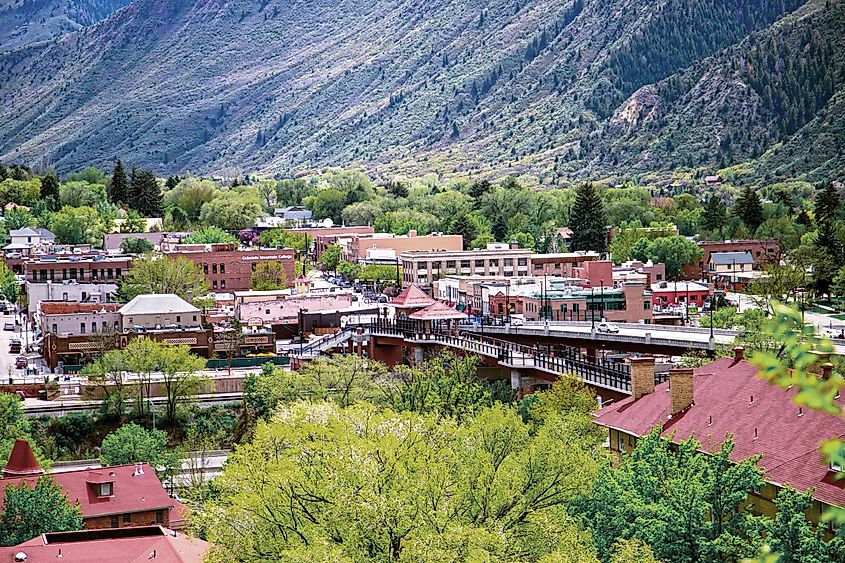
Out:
{"x": 675, "y": 252}
{"x": 81, "y": 194}
{"x": 330, "y": 257}
{"x": 50, "y": 189}
{"x": 136, "y": 245}
{"x": 233, "y": 210}
{"x": 145, "y": 193}
{"x": 587, "y": 220}
{"x": 18, "y": 218}
{"x": 326, "y": 203}
{"x": 715, "y": 215}
{"x": 181, "y": 376}
{"x": 119, "y": 189}
{"x": 190, "y": 194}
{"x": 151, "y": 274}
{"x": 348, "y": 270}
{"x": 320, "y": 482}
{"x": 30, "y": 512}
{"x": 749, "y": 208}
{"x": 269, "y": 276}
{"x": 78, "y": 225}
{"x": 22, "y": 192}
{"x": 687, "y": 506}
{"x": 465, "y": 226}
{"x": 9, "y": 285}
{"x": 134, "y": 444}
{"x": 792, "y": 536}
{"x": 210, "y": 235}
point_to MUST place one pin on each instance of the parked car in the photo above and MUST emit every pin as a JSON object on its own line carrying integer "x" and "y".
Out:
{"x": 21, "y": 362}
{"x": 9, "y": 326}
{"x": 607, "y": 327}
{"x": 516, "y": 320}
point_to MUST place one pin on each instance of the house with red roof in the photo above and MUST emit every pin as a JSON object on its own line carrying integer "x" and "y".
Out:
{"x": 120, "y": 496}
{"x": 119, "y": 545}
{"x": 726, "y": 398}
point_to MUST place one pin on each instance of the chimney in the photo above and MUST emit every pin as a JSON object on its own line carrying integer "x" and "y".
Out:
{"x": 827, "y": 370}
{"x": 680, "y": 389}
{"x": 642, "y": 376}
{"x": 739, "y": 354}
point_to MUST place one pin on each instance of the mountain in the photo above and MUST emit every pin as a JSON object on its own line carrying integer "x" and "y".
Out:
{"x": 27, "y": 21}
{"x": 561, "y": 89}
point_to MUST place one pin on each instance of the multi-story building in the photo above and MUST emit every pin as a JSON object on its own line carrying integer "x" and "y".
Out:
{"x": 69, "y": 291}
{"x": 563, "y": 264}
{"x": 229, "y": 269}
{"x": 423, "y": 268}
{"x": 79, "y": 268}
{"x": 682, "y": 293}
{"x": 726, "y": 399}
{"x": 628, "y": 303}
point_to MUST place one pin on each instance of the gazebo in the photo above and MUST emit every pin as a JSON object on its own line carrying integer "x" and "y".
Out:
{"x": 435, "y": 316}
{"x": 411, "y": 299}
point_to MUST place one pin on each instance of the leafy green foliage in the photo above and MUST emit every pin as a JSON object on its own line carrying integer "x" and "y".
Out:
{"x": 674, "y": 252}
{"x": 30, "y": 512}
{"x": 78, "y": 225}
{"x": 687, "y": 506}
{"x": 134, "y": 444}
{"x": 268, "y": 276}
{"x": 232, "y": 210}
{"x": 330, "y": 257}
{"x": 164, "y": 275}
{"x": 793, "y": 538}
{"x": 136, "y": 245}
{"x": 210, "y": 235}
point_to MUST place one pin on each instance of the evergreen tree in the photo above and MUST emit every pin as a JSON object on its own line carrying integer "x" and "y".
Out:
{"x": 715, "y": 214}
{"x": 749, "y": 208}
{"x": 132, "y": 194}
{"x": 119, "y": 191}
{"x": 465, "y": 226}
{"x": 587, "y": 220}
{"x": 50, "y": 189}
{"x": 4, "y": 173}
{"x": 172, "y": 182}
{"x": 146, "y": 194}
{"x": 828, "y": 249}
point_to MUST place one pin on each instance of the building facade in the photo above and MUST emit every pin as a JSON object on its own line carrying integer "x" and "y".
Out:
{"x": 229, "y": 269}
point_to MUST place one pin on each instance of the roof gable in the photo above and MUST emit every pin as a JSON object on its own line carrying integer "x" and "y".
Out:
{"x": 412, "y": 297}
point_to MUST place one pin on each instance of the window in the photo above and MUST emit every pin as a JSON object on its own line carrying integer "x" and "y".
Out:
{"x": 494, "y": 263}
{"x": 576, "y": 307}
{"x": 127, "y": 518}
{"x": 178, "y": 319}
{"x": 159, "y": 517}
{"x": 64, "y": 296}
{"x": 81, "y": 328}
{"x": 118, "y": 272}
{"x": 214, "y": 284}
{"x": 222, "y": 284}
{"x": 205, "y": 269}
{"x": 106, "y": 489}
{"x": 55, "y": 328}
{"x": 508, "y": 262}
{"x": 130, "y": 321}
{"x": 115, "y": 521}
{"x": 195, "y": 317}
{"x": 522, "y": 262}
{"x": 479, "y": 263}
{"x": 94, "y": 326}
{"x": 222, "y": 268}
{"x": 563, "y": 307}
{"x": 110, "y": 273}
{"x": 105, "y": 326}
{"x": 464, "y": 263}
{"x": 214, "y": 268}
{"x": 646, "y": 305}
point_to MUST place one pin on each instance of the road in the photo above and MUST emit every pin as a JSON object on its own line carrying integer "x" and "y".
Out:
{"x": 34, "y": 407}
{"x": 196, "y": 465}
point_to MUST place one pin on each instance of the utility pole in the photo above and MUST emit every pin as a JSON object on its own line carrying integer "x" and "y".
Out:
{"x": 602, "y": 300}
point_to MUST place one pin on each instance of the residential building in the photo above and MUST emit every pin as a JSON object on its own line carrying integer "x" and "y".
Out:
{"x": 295, "y": 213}
{"x": 158, "y": 311}
{"x": 31, "y": 237}
{"x": 229, "y": 269}
{"x": 763, "y": 252}
{"x": 726, "y": 398}
{"x": 120, "y": 545}
{"x": 121, "y": 496}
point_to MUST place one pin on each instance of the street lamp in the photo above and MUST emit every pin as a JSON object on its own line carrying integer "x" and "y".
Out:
{"x": 593, "y": 303}
{"x": 153, "y": 411}
{"x": 602, "y": 300}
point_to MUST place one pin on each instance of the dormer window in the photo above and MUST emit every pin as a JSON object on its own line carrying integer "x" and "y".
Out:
{"x": 105, "y": 489}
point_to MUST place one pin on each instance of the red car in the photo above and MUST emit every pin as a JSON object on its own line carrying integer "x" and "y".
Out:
{"x": 21, "y": 362}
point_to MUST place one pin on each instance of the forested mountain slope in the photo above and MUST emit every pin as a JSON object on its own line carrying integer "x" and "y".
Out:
{"x": 27, "y": 21}
{"x": 561, "y": 89}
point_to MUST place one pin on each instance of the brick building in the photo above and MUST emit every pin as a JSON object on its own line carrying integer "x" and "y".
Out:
{"x": 229, "y": 269}
{"x": 373, "y": 247}
{"x": 627, "y": 303}
{"x": 725, "y": 399}
{"x": 79, "y": 268}
{"x": 121, "y": 496}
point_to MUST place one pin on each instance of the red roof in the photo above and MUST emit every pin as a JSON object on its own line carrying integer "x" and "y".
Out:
{"x": 114, "y": 545}
{"x": 437, "y": 311}
{"x": 412, "y": 297}
{"x": 730, "y": 399}
{"x": 72, "y": 308}
{"x": 131, "y": 492}
{"x": 22, "y": 461}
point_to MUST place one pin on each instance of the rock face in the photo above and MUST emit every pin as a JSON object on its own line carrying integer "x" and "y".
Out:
{"x": 560, "y": 89}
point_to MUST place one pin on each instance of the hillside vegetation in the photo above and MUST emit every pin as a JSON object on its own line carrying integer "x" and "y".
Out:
{"x": 27, "y": 21}
{"x": 561, "y": 90}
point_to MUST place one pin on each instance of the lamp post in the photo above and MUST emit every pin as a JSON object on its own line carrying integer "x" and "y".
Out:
{"x": 508, "y": 302}
{"x": 593, "y": 303}
{"x": 687, "y": 302}
{"x": 602, "y": 300}
{"x": 153, "y": 411}
{"x": 398, "y": 283}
